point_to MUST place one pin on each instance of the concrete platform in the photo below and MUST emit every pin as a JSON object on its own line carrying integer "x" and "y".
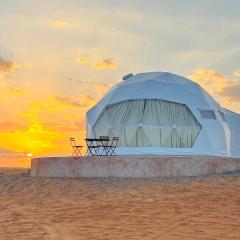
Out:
{"x": 132, "y": 166}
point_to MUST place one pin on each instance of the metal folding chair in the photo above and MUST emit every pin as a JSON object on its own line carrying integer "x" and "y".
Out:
{"x": 76, "y": 149}
{"x": 111, "y": 148}
{"x": 92, "y": 147}
{"x": 104, "y": 144}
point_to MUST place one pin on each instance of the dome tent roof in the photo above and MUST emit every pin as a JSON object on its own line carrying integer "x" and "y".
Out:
{"x": 155, "y": 85}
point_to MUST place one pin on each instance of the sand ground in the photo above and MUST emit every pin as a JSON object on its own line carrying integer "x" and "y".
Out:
{"x": 69, "y": 209}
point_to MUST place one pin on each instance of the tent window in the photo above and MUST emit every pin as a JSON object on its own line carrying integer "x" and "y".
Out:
{"x": 149, "y": 123}
{"x": 223, "y": 117}
{"x": 207, "y": 114}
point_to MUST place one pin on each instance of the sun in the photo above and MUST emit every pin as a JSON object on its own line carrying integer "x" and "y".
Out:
{"x": 29, "y": 155}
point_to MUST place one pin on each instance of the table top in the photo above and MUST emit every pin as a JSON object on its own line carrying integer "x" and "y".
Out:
{"x": 95, "y": 139}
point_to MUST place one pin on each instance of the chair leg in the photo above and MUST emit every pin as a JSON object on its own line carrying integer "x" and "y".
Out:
{"x": 112, "y": 151}
{"x": 88, "y": 152}
{"x": 77, "y": 153}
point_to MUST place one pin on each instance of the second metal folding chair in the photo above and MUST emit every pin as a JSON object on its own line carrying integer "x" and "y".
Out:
{"x": 92, "y": 147}
{"x": 111, "y": 148}
{"x": 76, "y": 149}
{"x": 104, "y": 145}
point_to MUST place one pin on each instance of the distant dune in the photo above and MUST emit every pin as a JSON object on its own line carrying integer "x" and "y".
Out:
{"x": 7, "y": 171}
{"x": 70, "y": 209}
{"x": 16, "y": 162}
{"x": 13, "y": 159}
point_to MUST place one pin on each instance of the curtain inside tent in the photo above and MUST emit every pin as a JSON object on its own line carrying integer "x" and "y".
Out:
{"x": 149, "y": 123}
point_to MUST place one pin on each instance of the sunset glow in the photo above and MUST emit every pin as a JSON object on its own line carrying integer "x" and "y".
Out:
{"x": 55, "y": 64}
{"x": 29, "y": 155}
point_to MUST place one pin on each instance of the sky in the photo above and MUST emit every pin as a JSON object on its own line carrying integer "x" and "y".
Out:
{"x": 59, "y": 57}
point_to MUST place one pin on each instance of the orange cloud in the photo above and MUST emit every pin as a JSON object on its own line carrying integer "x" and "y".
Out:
{"x": 57, "y": 104}
{"x": 89, "y": 101}
{"x": 103, "y": 64}
{"x": 8, "y": 66}
{"x": 6, "y": 152}
{"x": 70, "y": 101}
{"x": 8, "y": 126}
{"x": 211, "y": 80}
{"x": 46, "y": 125}
{"x": 15, "y": 91}
{"x": 58, "y": 109}
{"x": 232, "y": 93}
{"x": 101, "y": 89}
{"x": 83, "y": 61}
{"x": 236, "y": 74}
{"x": 224, "y": 89}
{"x": 40, "y": 138}
{"x": 12, "y": 159}
{"x": 59, "y": 24}
{"x": 35, "y": 139}
{"x": 51, "y": 122}
{"x": 69, "y": 127}
{"x": 28, "y": 65}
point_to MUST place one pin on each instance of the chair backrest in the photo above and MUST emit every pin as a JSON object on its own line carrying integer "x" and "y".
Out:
{"x": 73, "y": 142}
{"x": 115, "y": 141}
{"x": 106, "y": 138}
{"x": 104, "y": 141}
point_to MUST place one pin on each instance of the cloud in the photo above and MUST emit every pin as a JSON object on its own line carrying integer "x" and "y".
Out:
{"x": 103, "y": 64}
{"x": 225, "y": 90}
{"x": 28, "y": 65}
{"x": 34, "y": 139}
{"x": 236, "y": 74}
{"x": 56, "y": 105}
{"x": 211, "y": 80}
{"x": 70, "y": 101}
{"x": 69, "y": 127}
{"x": 101, "y": 89}
{"x": 232, "y": 92}
{"x": 83, "y": 61}
{"x": 62, "y": 109}
{"x": 4, "y": 151}
{"x": 15, "y": 91}
{"x": 8, "y": 126}
{"x": 59, "y": 24}
{"x": 8, "y": 66}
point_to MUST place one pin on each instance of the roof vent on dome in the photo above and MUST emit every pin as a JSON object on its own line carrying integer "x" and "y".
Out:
{"x": 127, "y": 76}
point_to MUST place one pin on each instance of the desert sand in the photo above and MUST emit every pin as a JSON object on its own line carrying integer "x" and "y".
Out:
{"x": 185, "y": 208}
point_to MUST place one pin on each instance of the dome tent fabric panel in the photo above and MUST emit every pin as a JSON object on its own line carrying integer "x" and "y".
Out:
{"x": 174, "y": 124}
{"x": 103, "y": 127}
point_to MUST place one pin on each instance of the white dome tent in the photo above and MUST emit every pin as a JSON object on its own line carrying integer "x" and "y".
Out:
{"x": 163, "y": 113}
